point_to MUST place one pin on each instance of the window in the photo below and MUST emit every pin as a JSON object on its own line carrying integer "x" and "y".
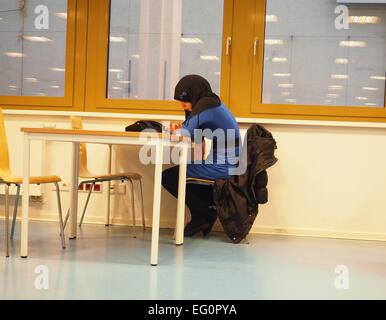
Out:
{"x": 297, "y": 59}
{"x": 33, "y": 47}
{"x": 154, "y": 43}
{"x": 139, "y": 49}
{"x": 39, "y": 67}
{"x": 320, "y": 52}
{"x": 309, "y": 59}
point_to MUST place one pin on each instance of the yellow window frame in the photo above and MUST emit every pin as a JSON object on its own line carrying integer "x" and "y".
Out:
{"x": 74, "y": 71}
{"x": 97, "y": 66}
{"x": 241, "y": 71}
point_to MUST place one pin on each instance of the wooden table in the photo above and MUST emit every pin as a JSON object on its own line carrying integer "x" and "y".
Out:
{"x": 75, "y": 137}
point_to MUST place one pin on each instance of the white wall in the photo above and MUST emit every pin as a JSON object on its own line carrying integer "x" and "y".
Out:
{"x": 329, "y": 181}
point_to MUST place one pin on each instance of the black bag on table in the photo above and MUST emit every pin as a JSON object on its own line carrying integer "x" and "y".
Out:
{"x": 142, "y": 125}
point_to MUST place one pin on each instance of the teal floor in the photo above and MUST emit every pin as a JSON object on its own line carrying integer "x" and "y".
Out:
{"x": 108, "y": 263}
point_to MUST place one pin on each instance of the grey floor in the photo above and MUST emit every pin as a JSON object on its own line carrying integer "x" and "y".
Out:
{"x": 108, "y": 263}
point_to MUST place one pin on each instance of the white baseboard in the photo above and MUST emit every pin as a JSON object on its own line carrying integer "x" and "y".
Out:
{"x": 266, "y": 230}
{"x": 319, "y": 233}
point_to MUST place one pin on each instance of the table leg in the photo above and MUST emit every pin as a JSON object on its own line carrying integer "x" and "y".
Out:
{"x": 108, "y": 195}
{"x": 156, "y": 203}
{"x": 25, "y": 199}
{"x": 181, "y": 195}
{"x": 74, "y": 190}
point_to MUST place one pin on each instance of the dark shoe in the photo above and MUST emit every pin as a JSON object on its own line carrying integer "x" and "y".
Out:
{"x": 193, "y": 228}
{"x": 211, "y": 220}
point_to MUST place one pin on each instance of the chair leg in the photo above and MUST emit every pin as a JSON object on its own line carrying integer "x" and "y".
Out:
{"x": 7, "y": 219}
{"x": 68, "y": 213}
{"x": 60, "y": 216}
{"x": 132, "y": 205}
{"x": 66, "y": 219}
{"x": 86, "y": 204}
{"x": 15, "y": 211}
{"x": 142, "y": 205}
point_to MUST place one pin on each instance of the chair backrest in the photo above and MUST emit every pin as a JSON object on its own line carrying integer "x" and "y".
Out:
{"x": 4, "y": 154}
{"x": 77, "y": 124}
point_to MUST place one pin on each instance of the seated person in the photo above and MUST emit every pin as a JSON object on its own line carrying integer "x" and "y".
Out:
{"x": 204, "y": 111}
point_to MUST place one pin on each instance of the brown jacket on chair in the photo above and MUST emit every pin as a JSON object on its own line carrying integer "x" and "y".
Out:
{"x": 237, "y": 199}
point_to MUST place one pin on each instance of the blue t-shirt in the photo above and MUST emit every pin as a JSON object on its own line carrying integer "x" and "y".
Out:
{"x": 219, "y": 125}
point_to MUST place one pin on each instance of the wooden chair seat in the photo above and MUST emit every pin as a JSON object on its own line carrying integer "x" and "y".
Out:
{"x": 32, "y": 180}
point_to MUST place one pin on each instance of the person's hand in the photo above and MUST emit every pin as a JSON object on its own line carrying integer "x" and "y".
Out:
{"x": 175, "y": 126}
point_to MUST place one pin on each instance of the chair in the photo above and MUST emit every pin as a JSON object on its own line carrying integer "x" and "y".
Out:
{"x": 207, "y": 183}
{"x": 90, "y": 178}
{"x": 199, "y": 182}
{"x": 8, "y": 179}
{"x": 202, "y": 182}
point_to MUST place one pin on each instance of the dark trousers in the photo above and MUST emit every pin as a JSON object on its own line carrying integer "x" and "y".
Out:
{"x": 198, "y": 197}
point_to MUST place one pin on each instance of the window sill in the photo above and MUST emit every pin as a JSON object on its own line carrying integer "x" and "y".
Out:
{"x": 160, "y": 117}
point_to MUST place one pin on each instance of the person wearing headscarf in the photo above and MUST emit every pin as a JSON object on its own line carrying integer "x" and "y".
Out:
{"x": 206, "y": 113}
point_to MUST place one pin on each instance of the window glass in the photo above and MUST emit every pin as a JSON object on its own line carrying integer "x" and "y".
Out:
{"x": 153, "y": 43}
{"x": 325, "y": 52}
{"x": 32, "y": 47}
